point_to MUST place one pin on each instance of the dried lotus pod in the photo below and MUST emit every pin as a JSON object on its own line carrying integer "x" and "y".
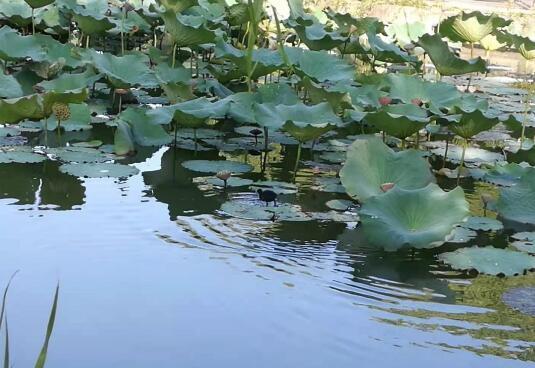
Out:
{"x": 61, "y": 111}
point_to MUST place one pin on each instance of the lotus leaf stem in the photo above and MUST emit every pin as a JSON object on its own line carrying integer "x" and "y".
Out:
{"x": 33, "y": 20}
{"x": 298, "y": 157}
{"x": 174, "y": 56}
{"x": 525, "y": 120}
{"x": 461, "y": 164}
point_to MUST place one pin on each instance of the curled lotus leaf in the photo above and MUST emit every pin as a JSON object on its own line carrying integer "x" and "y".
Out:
{"x": 445, "y": 61}
{"x": 188, "y": 30}
{"x": 317, "y": 37}
{"x": 524, "y": 45}
{"x": 471, "y": 27}
{"x": 471, "y": 123}
{"x": 400, "y": 121}
{"x": 489, "y": 260}
{"x": 418, "y": 218}
{"x": 14, "y": 110}
{"x": 319, "y": 65}
{"x": 190, "y": 114}
{"x": 517, "y": 203}
{"x": 370, "y": 163}
{"x": 505, "y": 174}
{"x": 99, "y": 170}
{"x": 144, "y": 132}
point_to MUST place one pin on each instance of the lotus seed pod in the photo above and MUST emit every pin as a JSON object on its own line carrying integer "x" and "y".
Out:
{"x": 61, "y": 111}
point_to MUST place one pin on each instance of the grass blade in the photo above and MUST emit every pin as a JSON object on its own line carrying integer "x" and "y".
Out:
{"x": 42, "y": 355}
{"x": 6, "y": 352}
{"x": 2, "y": 308}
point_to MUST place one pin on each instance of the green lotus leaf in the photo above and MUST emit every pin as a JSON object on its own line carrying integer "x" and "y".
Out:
{"x": 80, "y": 118}
{"x": 144, "y": 132}
{"x": 370, "y": 163}
{"x": 14, "y": 110}
{"x": 319, "y": 65}
{"x": 176, "y": 6}
{"x": 123, "y": 140}
{"x": 328, "y": 185}
{"x": 70, "y": 82}
{"x": 461, "y": 235}
{"x": 471, "y": 27}
{"x": 166, "y": 74}
{"x": 190, "y": 114}
{"x": 437, "y": 95}
{"x": 363, "y": 96}
{"x": 388, "y": 52}
{"x": 489, "y": 260}
{"x": 472, "y": 123}
{"x": 493, "y": 42}
{"x": 188, "y": 30}
{"x": 99, "y": 170}
{"x": 473, "y": 155}
{"x": 19, "y": 154}
{"x": 92, "y": 24}
{"x": 125, "y": 71}
{"x": 525, "y": 235}
{"x": 259, "y": 212}
{"x": 505, "y": 174}
{"x": 307, "y": 132}
{"x": 233, "y": 181}
{"x": 524, "y": 45}
{"x": 517, "y": 203}
{"x": 9, "y": 86}
{"x": 525, "y": 242}
{"x": 9, "y": 131}
{"x": 14, "y": 46}
{"x": 279, "y": 187}
{"x": 317, "y": 93}
{"x": 279, "y": 94}
{"x": 38, "y": 3}
{"x": 17, "y": 12}
{"x": 346, "y": 22}
{"x": 418, "y": 218}
{"x": 445, "y": 61}
{"x": 88, "y": 144}
{"x": 188, "y": 133}
{"x": 483, "y": 224}
{"x": 339, "y": 204}
{"x": 274, "y": 117}
{"x": 238, "y": 14}
{"x": 405, "y": 33}
{"x": 400, "y": 121}
{"x": 78, "y": 154}
{"x": 316, "y": 37}
{"x": 207, "y": 166}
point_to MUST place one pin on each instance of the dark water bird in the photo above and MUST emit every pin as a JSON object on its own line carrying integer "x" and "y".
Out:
{"x": 255, "y": 132}
{"x": 267, "y": 196}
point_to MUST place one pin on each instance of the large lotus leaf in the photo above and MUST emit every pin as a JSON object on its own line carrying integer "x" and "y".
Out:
{"x": 207, "y": 166}
{"x": 16, "y": 109}
{"x": 9, "y": 86}
{"x": 489, "y": 260}
{"x": 125, "y": 71}
{"x": 307, "y": 132}
{"x": 238, "y": 14}
{"x": 482, "y": 224}
{"x": 320, "y": 66}
{"x": 98, "y": 170}
{"x": 405, "y": 33}
{"x": 472, "y": 123}
{"x": 388, "y": 52}
{"x": 17, "y": 12}
{"x": 52, "y": 51}
{"x": 38, "y": 3}
{"x": 438, "y": 95}
{"x": 318, "y": 93}
{"x": 144, "y": 132}
{"x": 517, "y": 203}
{"x": 274, "y": 116}
{"x": 400, "y": 121}
{"x": 188, "y": 30}
{"x": 176, "y": 6}
{"x": 363, "y": 96}
{"x": 80, "y": 118}
{"x": 347, "y": 23}
{"x": 259, "y": 212}
{"x": 418, "y": 218}
{"x": 316, "y": 37}
{"x": 473, "y": 155}
{"x": 69, "y": 82}
{"x": 445, "y": 61}
{"x": 78, "y": 154}
{"x": 370, "y": 163}
{"x": 278, "y": 93}
{"x": 92, "y": 24}
{"x": 19, "y": 154}
{"x": 524, "y": 45}
{"x": 166, "y": 74}
{"x": 190, "y": 114}
{"x": 505, "y": 174}
{"x": 493, "y": 42}
{"x": 14, "y": 46}
{"x": 471, "y": 27}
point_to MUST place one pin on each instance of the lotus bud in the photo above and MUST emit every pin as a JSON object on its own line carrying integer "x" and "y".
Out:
{"x": 385, "y": 187}
{"x": 224, "y": 175}
{"x": 384, "y": 101}
{"x": 61, "y": 111}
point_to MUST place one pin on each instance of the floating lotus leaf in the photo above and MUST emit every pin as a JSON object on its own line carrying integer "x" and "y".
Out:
{"x": 319, "y": 65}
{"x": 206, "y": 166}
{"x": 279, "y": 187}
{"x": 99, "y": 170}
{"x": 328, "y": 185}
{"x": 370, "y": 163}
{"x": 505, "y": 174}
{"x": 274, "y": 117}
{"x": 437, "y": 95}
{"x": 471, "y": 27}
{"x": 418, "y": 218}
{"x": 489, "y": 260}
{"x": 461, "y": 235}
{"x": 78, "y": 154}
{"x": 400, "y": 121}
{"x": 521, "y": 299}
{"x": 88, "y": 144}
{"x": 337, "y": 157}
{"x": 525, "y": 235}
{"x": 473, "y": 155}
{"x": 335, "y": 216}
{"x": 445, "y": 61}
{"x": 233, "y": 181}
{"x": 19, "y": 154}
{"x": 125, "y": 71}
{"x": 339, "y": 204}
{"x": 9, "y": 131}
{"x": 483, "y": 224}
{"x": 517, "y": 203}
{"x": 525, "y": 242}
{"x": 258, "y": 211}
{"x": 144, "y": 132}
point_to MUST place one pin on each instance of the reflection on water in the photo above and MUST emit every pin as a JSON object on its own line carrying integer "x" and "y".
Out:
{"x": 154, "y": 275}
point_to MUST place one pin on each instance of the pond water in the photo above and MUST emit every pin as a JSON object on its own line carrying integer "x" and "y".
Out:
{"x": 152, "y": 274}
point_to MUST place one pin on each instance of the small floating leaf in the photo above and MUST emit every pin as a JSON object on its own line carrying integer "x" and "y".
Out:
{"x": 207, "y": 166}
{"x": 99, "y": 170}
